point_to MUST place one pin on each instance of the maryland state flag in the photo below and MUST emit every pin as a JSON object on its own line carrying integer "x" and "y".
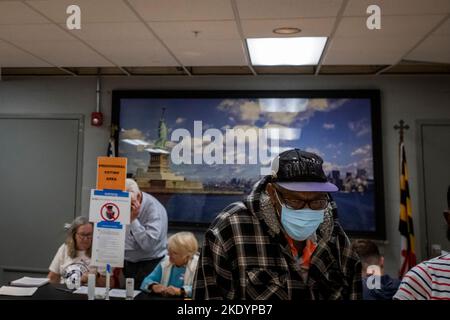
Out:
{"x": 408, "y": 253}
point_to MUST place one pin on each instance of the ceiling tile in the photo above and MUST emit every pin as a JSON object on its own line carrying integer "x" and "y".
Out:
{"x": 208, "y": 52}
{"x": 91, "y": 10}
{"x": 360, "y": 50}
{"x": 443, "y": 30}
{"x": 33, "y": 32}
{"x": 435, "y": 48}
{"x": 309, "y": 26}
{"x": 127, "y": 44}
{"x": 65, "y": 53}
{"x": 398, "y": 7}
{"x": 401, "y": 26}
{"x": 15, "y": 12}
{"x": 208, "y": 30}
{"x": 115, "y": 31}
{"x": 280, "y": 9}
{"x": 173, "y": 10}
{"x": 355, "y": 44}
{"x": 11, "y": 56}
{"x": 135, "y": 53}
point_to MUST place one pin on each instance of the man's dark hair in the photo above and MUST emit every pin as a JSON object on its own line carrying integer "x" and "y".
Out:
{"x": 368, "y": 251}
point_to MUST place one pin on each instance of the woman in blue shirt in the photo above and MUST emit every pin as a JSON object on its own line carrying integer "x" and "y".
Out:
{"x": 174, "y": 275}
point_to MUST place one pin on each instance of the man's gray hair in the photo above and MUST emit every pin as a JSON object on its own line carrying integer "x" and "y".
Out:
{"x": 132, "y": 186}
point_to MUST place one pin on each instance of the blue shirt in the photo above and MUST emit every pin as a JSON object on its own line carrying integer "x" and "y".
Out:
{"x": 388, "y": 288}
{"x": 176, "y": 278}
{"x": 146, "y": 236}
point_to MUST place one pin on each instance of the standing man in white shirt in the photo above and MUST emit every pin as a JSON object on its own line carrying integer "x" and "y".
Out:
{"x": 146, "y": 238}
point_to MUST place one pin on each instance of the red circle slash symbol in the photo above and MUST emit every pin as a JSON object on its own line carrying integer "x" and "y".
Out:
{"x": 110, "y": 212}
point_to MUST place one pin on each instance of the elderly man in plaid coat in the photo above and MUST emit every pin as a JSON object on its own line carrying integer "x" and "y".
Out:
{"x": 282, "y": 242}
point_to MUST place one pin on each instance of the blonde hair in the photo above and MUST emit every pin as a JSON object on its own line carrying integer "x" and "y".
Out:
{"x": 183, "y": 242}
{"x": 72, "y": 229}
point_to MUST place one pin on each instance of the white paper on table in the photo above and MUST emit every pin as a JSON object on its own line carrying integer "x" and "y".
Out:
{"x": 121, "y": 293}
{"x": 17, "y": 291}
{"x": 84, "y": 290}
{"x": 113, "y": 293}
{"x": 30, "y": 282}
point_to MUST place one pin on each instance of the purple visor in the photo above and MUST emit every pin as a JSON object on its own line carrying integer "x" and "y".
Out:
{"x": 309, "y": 186}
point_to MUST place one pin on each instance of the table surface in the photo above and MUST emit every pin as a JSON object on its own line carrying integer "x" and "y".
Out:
{"x": 60, "y": 292}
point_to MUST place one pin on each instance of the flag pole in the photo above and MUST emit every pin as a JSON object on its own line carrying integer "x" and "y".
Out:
{"x": 401, "y": 127}
{"x": 406, "y": 227}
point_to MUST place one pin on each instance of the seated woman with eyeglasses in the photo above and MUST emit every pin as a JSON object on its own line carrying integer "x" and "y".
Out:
{"x": 74, "y": 256}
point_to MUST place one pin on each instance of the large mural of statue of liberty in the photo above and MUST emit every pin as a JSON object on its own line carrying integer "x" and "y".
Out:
{"x": 154, "y": 132}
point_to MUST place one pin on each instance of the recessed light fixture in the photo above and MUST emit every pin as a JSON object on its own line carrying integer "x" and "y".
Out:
{"x": 286, "y": 30}
{"x": 286, "y": 51}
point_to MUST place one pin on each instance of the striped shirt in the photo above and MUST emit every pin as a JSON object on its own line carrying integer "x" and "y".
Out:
{"x": 429, "y": 280}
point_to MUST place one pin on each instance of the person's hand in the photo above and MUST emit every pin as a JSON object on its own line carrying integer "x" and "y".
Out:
{"x": 134, "y": 212}
{"x": 158, "y": 288}
{"x": 135, "y": 207}
{"x": 172, "y": 291}
{"x": 84, "y": 278}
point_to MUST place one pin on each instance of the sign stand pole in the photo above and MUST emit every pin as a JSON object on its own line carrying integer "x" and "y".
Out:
{"x": 108, "y": 277}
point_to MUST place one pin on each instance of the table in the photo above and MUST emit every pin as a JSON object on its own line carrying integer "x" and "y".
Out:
{"x": 60, "y": 292}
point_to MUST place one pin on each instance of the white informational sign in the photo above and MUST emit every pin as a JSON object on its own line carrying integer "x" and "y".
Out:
{"x": 110, "y": 205}
{"x": 109, "y": 210}
{"x": 108, "y": 245}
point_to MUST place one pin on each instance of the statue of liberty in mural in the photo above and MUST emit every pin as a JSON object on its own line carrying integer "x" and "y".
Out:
{"x": 162, "y": 132}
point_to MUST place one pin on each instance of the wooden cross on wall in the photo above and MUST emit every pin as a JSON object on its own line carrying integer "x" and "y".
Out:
{"x": 401, "y": 126}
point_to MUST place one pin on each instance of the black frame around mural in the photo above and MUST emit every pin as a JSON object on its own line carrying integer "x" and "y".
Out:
{"x": 373, "y": 95}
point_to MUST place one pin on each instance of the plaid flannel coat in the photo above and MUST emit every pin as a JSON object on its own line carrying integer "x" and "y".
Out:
{"x": 245, "y": 255}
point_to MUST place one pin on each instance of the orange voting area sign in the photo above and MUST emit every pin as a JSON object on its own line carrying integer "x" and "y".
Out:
{"x": 111, "y": 173}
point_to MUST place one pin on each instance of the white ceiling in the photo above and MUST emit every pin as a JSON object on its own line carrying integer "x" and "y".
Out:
{"x": 190, "y": 33}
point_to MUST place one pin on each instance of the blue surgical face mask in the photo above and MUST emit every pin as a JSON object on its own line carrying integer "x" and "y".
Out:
{"x": 300, "y": 224}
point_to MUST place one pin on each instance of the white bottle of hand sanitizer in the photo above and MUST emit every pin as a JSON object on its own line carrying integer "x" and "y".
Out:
{"x": 91, "y": 286}
{"x": 129, "y": 285}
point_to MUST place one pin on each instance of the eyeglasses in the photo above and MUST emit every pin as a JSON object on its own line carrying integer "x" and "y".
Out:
{"x": 297, "y": 204}
{"x": 84, "y": 235}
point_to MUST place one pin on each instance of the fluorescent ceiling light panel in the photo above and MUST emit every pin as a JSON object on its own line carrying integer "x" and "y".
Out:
{"x": 286, "y": 51}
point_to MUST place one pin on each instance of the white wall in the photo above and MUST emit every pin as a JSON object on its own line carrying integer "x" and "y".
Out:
{"x": 408, "y": 98}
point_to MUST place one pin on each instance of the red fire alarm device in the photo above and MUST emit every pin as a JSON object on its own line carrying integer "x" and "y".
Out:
{"x": 96, "y": 119}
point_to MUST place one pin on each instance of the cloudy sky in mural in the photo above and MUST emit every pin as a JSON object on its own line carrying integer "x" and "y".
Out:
{"x": 339, "y": 130}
